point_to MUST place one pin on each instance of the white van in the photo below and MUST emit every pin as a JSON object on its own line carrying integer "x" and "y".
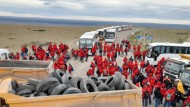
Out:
{"x": 88, "y": 39}
{"x": 4, "y": 54}
{"x": 111, "y": 35}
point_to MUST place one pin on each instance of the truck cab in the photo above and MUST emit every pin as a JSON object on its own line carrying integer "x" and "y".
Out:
{"x": 174, "y": 67}
{"x": 4, "y": 54}
{"x": 185, "y": 78}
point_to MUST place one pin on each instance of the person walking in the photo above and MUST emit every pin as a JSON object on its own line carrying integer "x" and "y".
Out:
{"x": 168, "y": 96}
{"x": 157, "y": 96}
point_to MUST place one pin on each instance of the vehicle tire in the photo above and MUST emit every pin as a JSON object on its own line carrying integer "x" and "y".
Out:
{"x": 33, "y": 82}
{"x": 14, "y": 84}
{"x": 59, "y": 89}
{"x": 118, "y": 79}
{"x": 75, "y": 82}
{"x": 52, "y": 87}
{"x": 112, "y": 88}
{"x": 72, "y": 90}
{"x": 12, "y": 91}
{"x": 23, "y": 92}
{"x": 42, "y": 94}
{"x": 45, "y": 82}
{"x": 66, "y": 78}
{"x": 103, "y": 79}
{"x": 58, "y": 74}
{"x": 96, "y": 80}
{"x": 22, "y": 87}
{"x": 87, "y": 86}
{"x": 110, "y": 82}
{"x": 127, "y": 86}
{"x": 103, "y": 87}
{"x": 122, "y": 83}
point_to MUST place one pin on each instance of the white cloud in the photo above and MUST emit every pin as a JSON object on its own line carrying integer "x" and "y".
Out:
{"x": 94, "y": 18}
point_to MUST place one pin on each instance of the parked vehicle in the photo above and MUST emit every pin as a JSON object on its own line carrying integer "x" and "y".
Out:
{"x": 4, "y": 54}
{"x": 158, "y": 50}
{"x": 174, "y": 67}
{"x": 111, "y": 35}
{"x": 88, "y": 39}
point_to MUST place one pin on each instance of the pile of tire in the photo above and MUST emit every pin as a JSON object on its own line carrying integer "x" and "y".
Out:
{"x": 59, "y": 83}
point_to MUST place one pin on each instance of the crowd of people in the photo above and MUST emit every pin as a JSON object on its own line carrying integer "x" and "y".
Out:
{"x": 104, "y": 63}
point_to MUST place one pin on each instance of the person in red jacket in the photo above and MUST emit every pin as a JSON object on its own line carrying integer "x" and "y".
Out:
{"x": 186, "y": 103}
{"x": 169, "y": 97}
{"x": 146, "y": 95}
{"x": 139, "y": 47}
{"x": 90, "y": 72}
{"x": 162, "y": 90}
{"x": 142, "y": 66}
{"x": 70, "y": 69}
{"x": 125, "y": 59}
{"x": 134, "y": 48}
{"x": 17, "y": 56}
{"x": 125, "y": 73}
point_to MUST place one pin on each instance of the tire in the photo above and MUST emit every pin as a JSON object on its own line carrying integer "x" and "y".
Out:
{"x": 103, "y": 87}
{"x": 23, "y": 92}
{"x": 122, "y": 83}
{"x": 33, "y": 82}
{"x": 103, "y": 79}
{"x": 42, "y": 94}
{"x": 87, "y": 86}
{"x": 112, "y": 88}
{"x": 110, "y": 82}
{"x": 22, "y": 87}
{"x": 59, "y": 89}
{"x": 14, "y": 84}
{"x": 96, "y": 80}
{"x": 75, "y": 82}
{"x": 72, "y": 90}
{"x": 12, "y": 91}
{"x": 66, "y": 78}
{"x": 127, "y": 86}
{"x": 52, "y": 87}
{"x": 118, "y": 79}
{"x": 46, "y": 82}
{"x": 58, "y": 74}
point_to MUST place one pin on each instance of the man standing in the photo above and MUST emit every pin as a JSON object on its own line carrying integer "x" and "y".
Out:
{"x": 157, "y": 96}
{"x": 168, "y": 95}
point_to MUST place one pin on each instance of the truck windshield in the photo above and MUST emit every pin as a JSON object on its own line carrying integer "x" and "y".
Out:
{"x": 173, "y": 66}
{"x": 185, "y": 76}
{"x": 110, "y": 35}
{"x": 89, "y": 42}
{"x": 82, "y": 41}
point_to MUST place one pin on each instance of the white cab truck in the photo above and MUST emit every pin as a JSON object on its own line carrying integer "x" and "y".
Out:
{"x": 88, "y": 39}
{"x": 4, "y": 54}
{"x": 111, "y": 35}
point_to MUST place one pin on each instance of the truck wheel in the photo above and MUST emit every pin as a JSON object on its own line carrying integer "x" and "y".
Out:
{"x": 96, "y": 80}
{"x": 111, "y": 81}
{"x": 22, "y": 87}
{"x": 87, "y": 86}
{"x": 59, "y": 89}
{"x": 24, "y": 91}
{"x": 58, "y": 74}
{"x": 118, "y": 79}
{"x": 14, "y": 84}
{"x": 47, "y": 81}
{"x": 75, "y": 82}
{"x": 52, "y": 87}
{"x": 127, "y": 86}
{"x": 66, "y": 78}
{"x": 122, "y": 83}
{"x": 33, "y": 82}
{"x": 103, "y": 87}
{"x": 72, "y": 90}
{"x": 12, "y": 91}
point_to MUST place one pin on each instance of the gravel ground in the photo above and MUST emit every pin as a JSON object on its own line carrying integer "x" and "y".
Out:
{"x": 82, "y": 68}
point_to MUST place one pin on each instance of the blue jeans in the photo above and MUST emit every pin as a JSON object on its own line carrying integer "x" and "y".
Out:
{"x": 167, "y": 103}
{"x": 157, "y": 102}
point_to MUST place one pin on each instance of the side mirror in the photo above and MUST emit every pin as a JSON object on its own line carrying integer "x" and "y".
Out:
{"x": 77, "y": 43}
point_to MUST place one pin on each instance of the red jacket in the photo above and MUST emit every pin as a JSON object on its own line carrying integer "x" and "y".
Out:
{"x": 90, "y": 72}
{"x": 142, "y": 64}
{"x": 169, "y": 91}
{"x": 186, "y": 101}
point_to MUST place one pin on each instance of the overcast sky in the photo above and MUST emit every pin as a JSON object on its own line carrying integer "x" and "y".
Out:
{"x": 153, "y": 11}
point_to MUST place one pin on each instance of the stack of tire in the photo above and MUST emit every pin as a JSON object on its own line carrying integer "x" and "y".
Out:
{"x": 59, "y": 83}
